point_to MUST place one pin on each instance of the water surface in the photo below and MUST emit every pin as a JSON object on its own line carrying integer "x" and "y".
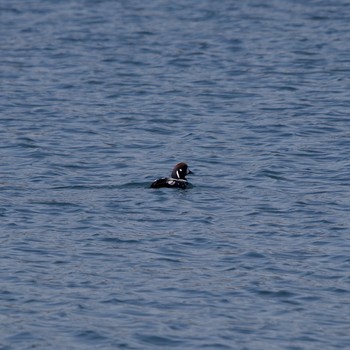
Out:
{"x": 99, "y": 98}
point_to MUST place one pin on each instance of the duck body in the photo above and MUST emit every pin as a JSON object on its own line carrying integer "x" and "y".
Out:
{"x": 169, "y": 182}
{"x": 177, "y": 179}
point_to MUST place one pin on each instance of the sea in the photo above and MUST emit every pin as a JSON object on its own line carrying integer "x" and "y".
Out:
{"x": 98, "y": 98}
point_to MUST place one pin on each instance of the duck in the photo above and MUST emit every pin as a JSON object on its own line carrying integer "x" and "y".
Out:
{"x": 177, "y": 179}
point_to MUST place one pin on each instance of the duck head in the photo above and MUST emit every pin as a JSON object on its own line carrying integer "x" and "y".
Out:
{"x": 180, "y": 171}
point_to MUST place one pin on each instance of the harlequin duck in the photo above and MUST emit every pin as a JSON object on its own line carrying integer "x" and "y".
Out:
{"x": 177, "y": 179}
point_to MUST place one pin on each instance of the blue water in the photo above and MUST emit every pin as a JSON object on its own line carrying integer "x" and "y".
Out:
{"x": 99, "y": 98}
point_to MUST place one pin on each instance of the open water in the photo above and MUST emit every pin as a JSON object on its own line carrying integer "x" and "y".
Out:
{"x": 99, "y": 98}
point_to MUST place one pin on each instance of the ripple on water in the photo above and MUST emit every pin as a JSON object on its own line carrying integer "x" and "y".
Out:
{"x": 99, "y": 99}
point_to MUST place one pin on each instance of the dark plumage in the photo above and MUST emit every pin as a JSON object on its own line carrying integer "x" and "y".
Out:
{"x": 177, "y": 179}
